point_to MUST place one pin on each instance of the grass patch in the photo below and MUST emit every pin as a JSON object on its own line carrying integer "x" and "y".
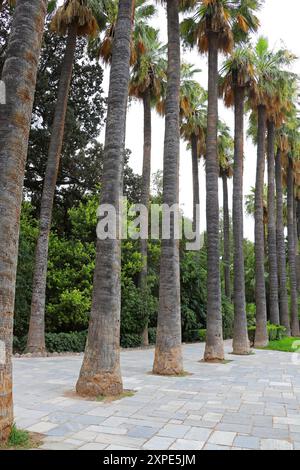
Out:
{"x": 286, "y": 344}
{"x": 124, "y": 394}
{"x": 22, "y": 440}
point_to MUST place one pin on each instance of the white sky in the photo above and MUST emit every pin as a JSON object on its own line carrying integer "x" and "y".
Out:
{"x": 279, "y": 22}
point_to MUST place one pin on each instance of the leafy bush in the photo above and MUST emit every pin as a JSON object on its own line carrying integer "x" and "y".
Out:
{"x": 202, "y": 336}
{"x": 251, "y": 312}
{"x": 131, "y": 341}
{"x": 66, "y": 342}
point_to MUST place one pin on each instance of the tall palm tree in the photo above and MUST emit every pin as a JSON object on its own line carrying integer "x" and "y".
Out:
{"x": 268, "y": 68}
{"x": 100, "y": 372}
{"x": 278, "y": 107}
{"x": 74, "y": 18}
{"x": 148, "y": 73}
{"x": 237, "y": 74}
{"x": 282, "y": 146}
{"x": 15, "y": 118}
{"x": 225, "y": 154}
{"x": 213, "y": 27}
{"x": 168, "y": 353}
{"x": 291, "y": 249}
{"x": 272, "y": 244}
{"x": 292, "y": 155}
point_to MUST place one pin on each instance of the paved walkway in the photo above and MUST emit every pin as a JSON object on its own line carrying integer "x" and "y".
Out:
{"x": 250, "y": 403}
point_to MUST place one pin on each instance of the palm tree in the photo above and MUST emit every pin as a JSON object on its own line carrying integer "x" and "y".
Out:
{"x": 100, "y": 372}
{"x": 15, "y": 118}
{"x": 237, "y": 76}
{"x": 213, "y": 27}
{"x": 272, "y": 244}
{"x": 268, "y": 68}
{"x": 74, "y": 18}
{"x": 168, "y": 353}
{"x": 282, "y": 146}
{"x": 148, "y": 74}
{"x": 292, "y": 155}
{"x": 291, "y": 249}
{"x": 278, "y": 107}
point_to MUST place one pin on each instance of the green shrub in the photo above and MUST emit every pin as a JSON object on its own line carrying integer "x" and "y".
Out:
{"x": 66, "y": 342}
{"x": 251, "y": 312}
{"x": 131, "y": 341}
{"x": 202, "y": 336}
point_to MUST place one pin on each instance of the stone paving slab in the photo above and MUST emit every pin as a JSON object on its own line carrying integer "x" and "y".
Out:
{"x": 251, "y": 402}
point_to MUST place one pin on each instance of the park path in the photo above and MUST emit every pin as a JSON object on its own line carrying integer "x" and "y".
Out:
{"x": 250, "y": 402}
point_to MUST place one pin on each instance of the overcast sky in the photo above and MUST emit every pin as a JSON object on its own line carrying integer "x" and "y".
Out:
{"x": 280, "y": 23}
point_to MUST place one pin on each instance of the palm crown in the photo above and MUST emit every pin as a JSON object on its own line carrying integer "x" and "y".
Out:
{"x": 230, "y": 20}
{"x": 149, "y": 70}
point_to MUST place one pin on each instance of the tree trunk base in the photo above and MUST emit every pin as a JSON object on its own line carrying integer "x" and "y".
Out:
{"x": 39, "y": 350}
{"x": 100, "y": 384}
{"x": 214, "y": 352}
{"x": 241, "y": 348}
{"x": 261, "y": 342}
{"x": 168, "y": 362}
{"x": 145, "y": 337}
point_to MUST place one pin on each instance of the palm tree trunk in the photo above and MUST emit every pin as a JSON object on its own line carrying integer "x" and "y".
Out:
{"x": 19, "y": 75}
{"x": 296, "y": 242}
{"x": 168, "y": 354}
{"x": 298, "y": 219}
{"x": 226, "y": 233}
{"x": 195, "y": 173}
{"x": 100, "y": 372}
{"x": 282, "y": 276}
{"x": 36, "y": 334}
{"x": 241, "y": 343}
{"x": 261, "y": 335}
{"x": 145, "y": 200}
{"x": 272, "y": 246}
{"x": 214, "y": 348}
{"x": 291, "y": 251}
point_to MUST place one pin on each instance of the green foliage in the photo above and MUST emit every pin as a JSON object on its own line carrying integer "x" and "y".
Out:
{"x": 202, "y": 336}
{"x": 131, "y": 341}
{"x": 62, "y": 342}
{"x": 18, "y": 438}
{"x": 285, "y": 344}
